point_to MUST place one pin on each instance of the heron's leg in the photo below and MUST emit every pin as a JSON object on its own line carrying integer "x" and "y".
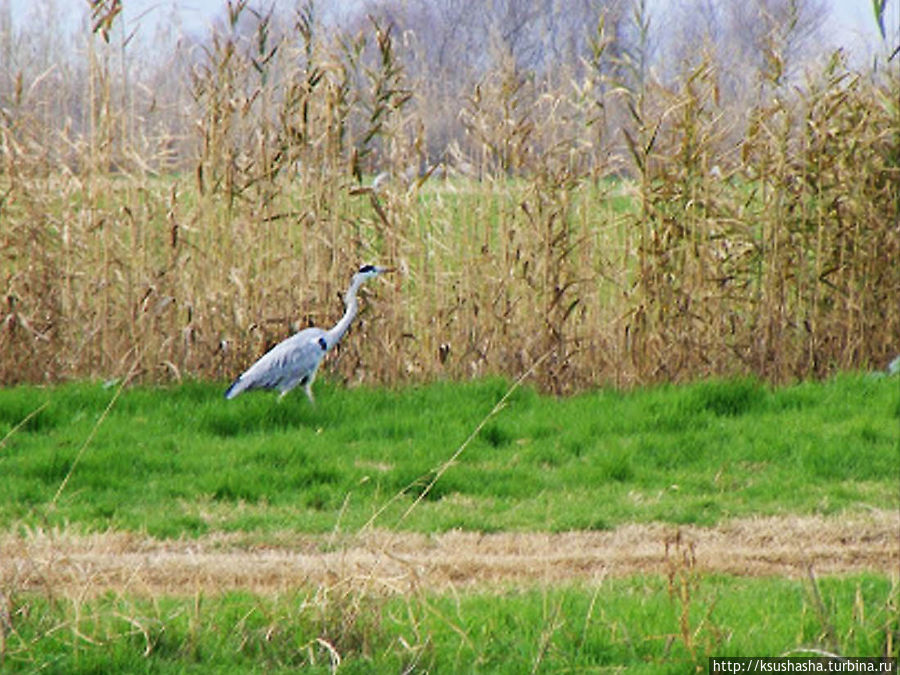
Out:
{"x": 307, "y": 386}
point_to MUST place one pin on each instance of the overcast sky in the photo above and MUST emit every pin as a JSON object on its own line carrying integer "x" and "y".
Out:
{"x": 851, "y": 24}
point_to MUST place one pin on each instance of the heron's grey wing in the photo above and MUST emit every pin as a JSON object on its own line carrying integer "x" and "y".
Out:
{"x": 285, "y": 365}
{"x": 302, "y": 359}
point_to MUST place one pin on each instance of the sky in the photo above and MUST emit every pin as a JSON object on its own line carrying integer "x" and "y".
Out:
{"x": 851, "y": 23}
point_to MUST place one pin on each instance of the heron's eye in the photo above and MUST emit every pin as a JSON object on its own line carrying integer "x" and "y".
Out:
{"x": 323, "y": 344}
{"x": 366, "y": 268}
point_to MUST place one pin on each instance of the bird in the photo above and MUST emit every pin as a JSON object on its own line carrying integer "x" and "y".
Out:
{"x": 296, "y": 359}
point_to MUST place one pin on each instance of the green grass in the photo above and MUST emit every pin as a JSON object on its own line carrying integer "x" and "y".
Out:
{"x": 636, "y": 624}
{"x": 183, "y": 461}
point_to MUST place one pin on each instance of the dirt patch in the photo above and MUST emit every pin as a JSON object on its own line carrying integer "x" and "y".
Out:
{"x": 383, "y": 561}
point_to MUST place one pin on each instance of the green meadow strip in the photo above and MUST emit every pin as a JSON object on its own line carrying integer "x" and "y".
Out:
{"x": 180, "y": 461}
{"x": 639, "y": 624}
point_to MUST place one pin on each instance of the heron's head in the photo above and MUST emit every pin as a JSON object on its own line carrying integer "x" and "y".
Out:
{"x": 366, "y": 272}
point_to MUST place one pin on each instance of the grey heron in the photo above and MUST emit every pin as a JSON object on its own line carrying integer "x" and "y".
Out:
{"x": 296, "y": 359}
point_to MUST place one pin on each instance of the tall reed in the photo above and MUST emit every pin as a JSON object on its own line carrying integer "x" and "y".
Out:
{"x": 630, "y": 229}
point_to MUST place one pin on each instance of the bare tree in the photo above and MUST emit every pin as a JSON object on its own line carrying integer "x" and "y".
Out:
{"x": 743, "y": 38}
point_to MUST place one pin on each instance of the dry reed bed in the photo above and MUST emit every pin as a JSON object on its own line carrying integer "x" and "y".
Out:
{"x": 394, "y": 562}
{"x": 762, "y": 240}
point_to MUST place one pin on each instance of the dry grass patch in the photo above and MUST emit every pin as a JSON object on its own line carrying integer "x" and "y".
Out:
{"x": 390, "y": 562}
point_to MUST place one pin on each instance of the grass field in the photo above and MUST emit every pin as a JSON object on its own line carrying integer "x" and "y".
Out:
{"x": 690, "y": 454}
{"x": 634, "y": 624}
{"x": 93, "y": 476}
{"x": 696, "y": 268}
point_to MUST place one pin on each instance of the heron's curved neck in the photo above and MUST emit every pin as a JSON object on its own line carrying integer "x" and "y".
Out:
{"x": 336, "y": 333}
